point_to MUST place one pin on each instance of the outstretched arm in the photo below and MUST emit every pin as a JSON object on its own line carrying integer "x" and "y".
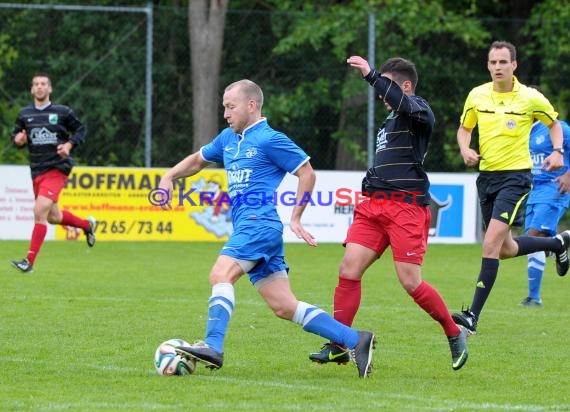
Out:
{"x": 359, "y": 63}
{"x": 189, "y": 166}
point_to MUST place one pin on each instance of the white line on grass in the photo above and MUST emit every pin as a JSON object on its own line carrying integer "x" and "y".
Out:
{"x": 418, "y": 402}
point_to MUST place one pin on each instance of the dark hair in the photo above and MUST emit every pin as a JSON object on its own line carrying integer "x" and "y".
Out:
{"x": 505, "y": 45}
{"x": 41, "y": 74}
{"x": 401, "y": 70}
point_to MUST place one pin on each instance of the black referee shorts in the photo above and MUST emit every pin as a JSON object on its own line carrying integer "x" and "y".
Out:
{"x": 503, "y": 195}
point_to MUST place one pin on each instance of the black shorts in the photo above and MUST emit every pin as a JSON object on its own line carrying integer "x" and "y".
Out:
{"x": 503, "y": 195}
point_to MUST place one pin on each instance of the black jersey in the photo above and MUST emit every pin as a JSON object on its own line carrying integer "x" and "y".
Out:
{"x": 47, "y": 128}
{"x": 401, "y": 146}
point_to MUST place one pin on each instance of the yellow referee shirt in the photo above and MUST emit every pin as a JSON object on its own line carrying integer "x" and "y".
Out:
{"x": 504, "y": 121}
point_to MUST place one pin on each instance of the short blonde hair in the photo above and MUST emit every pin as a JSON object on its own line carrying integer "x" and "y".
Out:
{"x": 250, "y": 89}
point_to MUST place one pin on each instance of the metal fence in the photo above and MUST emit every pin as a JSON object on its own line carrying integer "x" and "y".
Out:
{"x": 135, "y": 95}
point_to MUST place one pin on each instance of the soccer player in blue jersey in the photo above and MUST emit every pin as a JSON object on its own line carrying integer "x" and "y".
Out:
{"x": 256, "y": 158}
{"x": 396, "y": 213}
{"x": 504, "y": 111}
{"x": 546, "y": 205}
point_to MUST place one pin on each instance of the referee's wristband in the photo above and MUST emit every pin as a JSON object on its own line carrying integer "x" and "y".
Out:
{"x": 559, "y": 150}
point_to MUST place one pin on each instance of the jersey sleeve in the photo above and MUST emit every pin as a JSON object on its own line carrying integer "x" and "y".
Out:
{"x": 542, "y": 108}
{"x": 19, "y": 125}
{"x": 469, "y": 116}
{"x": 75, "y": 128}
{"x": 282, "y": 151}
{"x": 214, "y": 151}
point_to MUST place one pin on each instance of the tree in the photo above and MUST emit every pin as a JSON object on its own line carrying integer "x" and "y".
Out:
{"x": 334, "y": 30}
{"x": 206, "y": 41}
{"x": 549, "y": 43}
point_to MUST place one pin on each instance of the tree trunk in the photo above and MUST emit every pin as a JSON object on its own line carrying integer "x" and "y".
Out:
{"x": 346, "y": 159}
{"x": 206, "y": 41}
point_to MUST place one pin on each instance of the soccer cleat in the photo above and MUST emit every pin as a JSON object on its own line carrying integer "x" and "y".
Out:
{"x": 458, "y": 347}
{"x": 562, "y": 262}
{"x": 361, "y": 355}
{"x": 331, "y": 352}
{"x": 23, "y": 265}
{"x": 202, "y": 353}
{"x": 531, "y": 302}
{"x": 90, "y": 233}
{"x": 466, "y": 319}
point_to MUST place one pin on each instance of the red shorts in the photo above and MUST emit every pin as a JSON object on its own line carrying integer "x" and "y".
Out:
{"x": 403, "y": 226}
{"x": 49, "y": 184}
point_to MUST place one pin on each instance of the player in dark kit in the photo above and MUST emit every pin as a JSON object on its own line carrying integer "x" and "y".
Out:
{"x": 51, "y": 132}
{"x": 396, "y": 213}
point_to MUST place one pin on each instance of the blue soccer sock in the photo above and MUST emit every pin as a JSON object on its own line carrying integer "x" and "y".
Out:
{"x": 317, "y": 321}
{"x": 536, "y": 264}
{"x": 220, "y": 308}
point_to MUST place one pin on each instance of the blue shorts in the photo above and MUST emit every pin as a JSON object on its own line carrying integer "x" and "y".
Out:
{"x": 544, "y": 217}
{"x": 261, "y": 244}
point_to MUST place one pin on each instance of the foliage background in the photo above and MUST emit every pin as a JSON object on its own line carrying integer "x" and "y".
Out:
{"x": 295, "y": 50}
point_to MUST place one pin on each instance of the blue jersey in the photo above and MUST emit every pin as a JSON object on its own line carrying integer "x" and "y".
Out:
{"x": 256, "y": 162}
{"x": 540, "y": 145}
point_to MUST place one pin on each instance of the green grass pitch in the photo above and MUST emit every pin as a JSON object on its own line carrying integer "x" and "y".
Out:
{"x": 80, "y": 332}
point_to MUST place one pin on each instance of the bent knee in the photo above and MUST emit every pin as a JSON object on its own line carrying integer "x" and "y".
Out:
{"x": 283, "y": 313}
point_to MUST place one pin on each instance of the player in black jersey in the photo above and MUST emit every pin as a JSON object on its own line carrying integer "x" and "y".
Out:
{"x": 51, "y": 132}
{"x": 396, "y": 213}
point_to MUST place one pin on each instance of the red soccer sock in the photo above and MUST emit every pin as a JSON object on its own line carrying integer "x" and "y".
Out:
{"x": 431, "y": 301}
{"x": 69, "y": 219}
{"x": 38, "y": 236}
{"x": 347, "y": 296}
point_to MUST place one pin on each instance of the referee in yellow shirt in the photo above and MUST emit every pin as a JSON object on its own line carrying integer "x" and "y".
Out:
{"x": 504, "y": 111}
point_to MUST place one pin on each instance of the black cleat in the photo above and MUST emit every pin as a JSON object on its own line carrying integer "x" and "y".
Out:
{"x": 361, "y": 355}
{"x": 562, "y": 262}
{"x": 458, "y": 347}
{"x": 23, "y": 265}
{"x": 90, "y": 233}
{"x": 531, "y": 302}
{"x": 331, "y": 352}
{"x": 466, "y": 319}
{"x": 202, "y": 353}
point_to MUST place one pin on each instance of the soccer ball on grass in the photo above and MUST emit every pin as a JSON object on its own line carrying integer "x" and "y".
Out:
{"x": 168, "y": 363}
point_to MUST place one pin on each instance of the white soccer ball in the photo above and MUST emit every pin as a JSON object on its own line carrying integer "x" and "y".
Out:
{"x": 168, "y": 363}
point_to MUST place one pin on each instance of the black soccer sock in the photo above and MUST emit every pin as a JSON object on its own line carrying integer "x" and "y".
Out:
{"x": 485, "y": 282}
{"x": 531, "y": 244}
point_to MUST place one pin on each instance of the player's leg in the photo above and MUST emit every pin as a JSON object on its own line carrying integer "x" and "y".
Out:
{"x": 55, "y": 182}
{"x": 356, "y": 260}
{"x": 502, "y": 197}
{"x": 42, "y": 206}
{"x": 535, "y": 261}
{"x": 534, "y": 220}
{"x": 66, "y": 218}
{"x": 365, "y": 242}
{"x": 524, "y": 245}
{"x": 45, "y": 197}
{"x": 541, "y": 221}
{"x": 408, "y": 238}
{"x": 276, "y": 291}
{"x": 225, "y": 272}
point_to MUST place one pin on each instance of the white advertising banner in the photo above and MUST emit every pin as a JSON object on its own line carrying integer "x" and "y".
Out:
{"x": 454, "y": 206}
{"x": 17, "y": 204}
